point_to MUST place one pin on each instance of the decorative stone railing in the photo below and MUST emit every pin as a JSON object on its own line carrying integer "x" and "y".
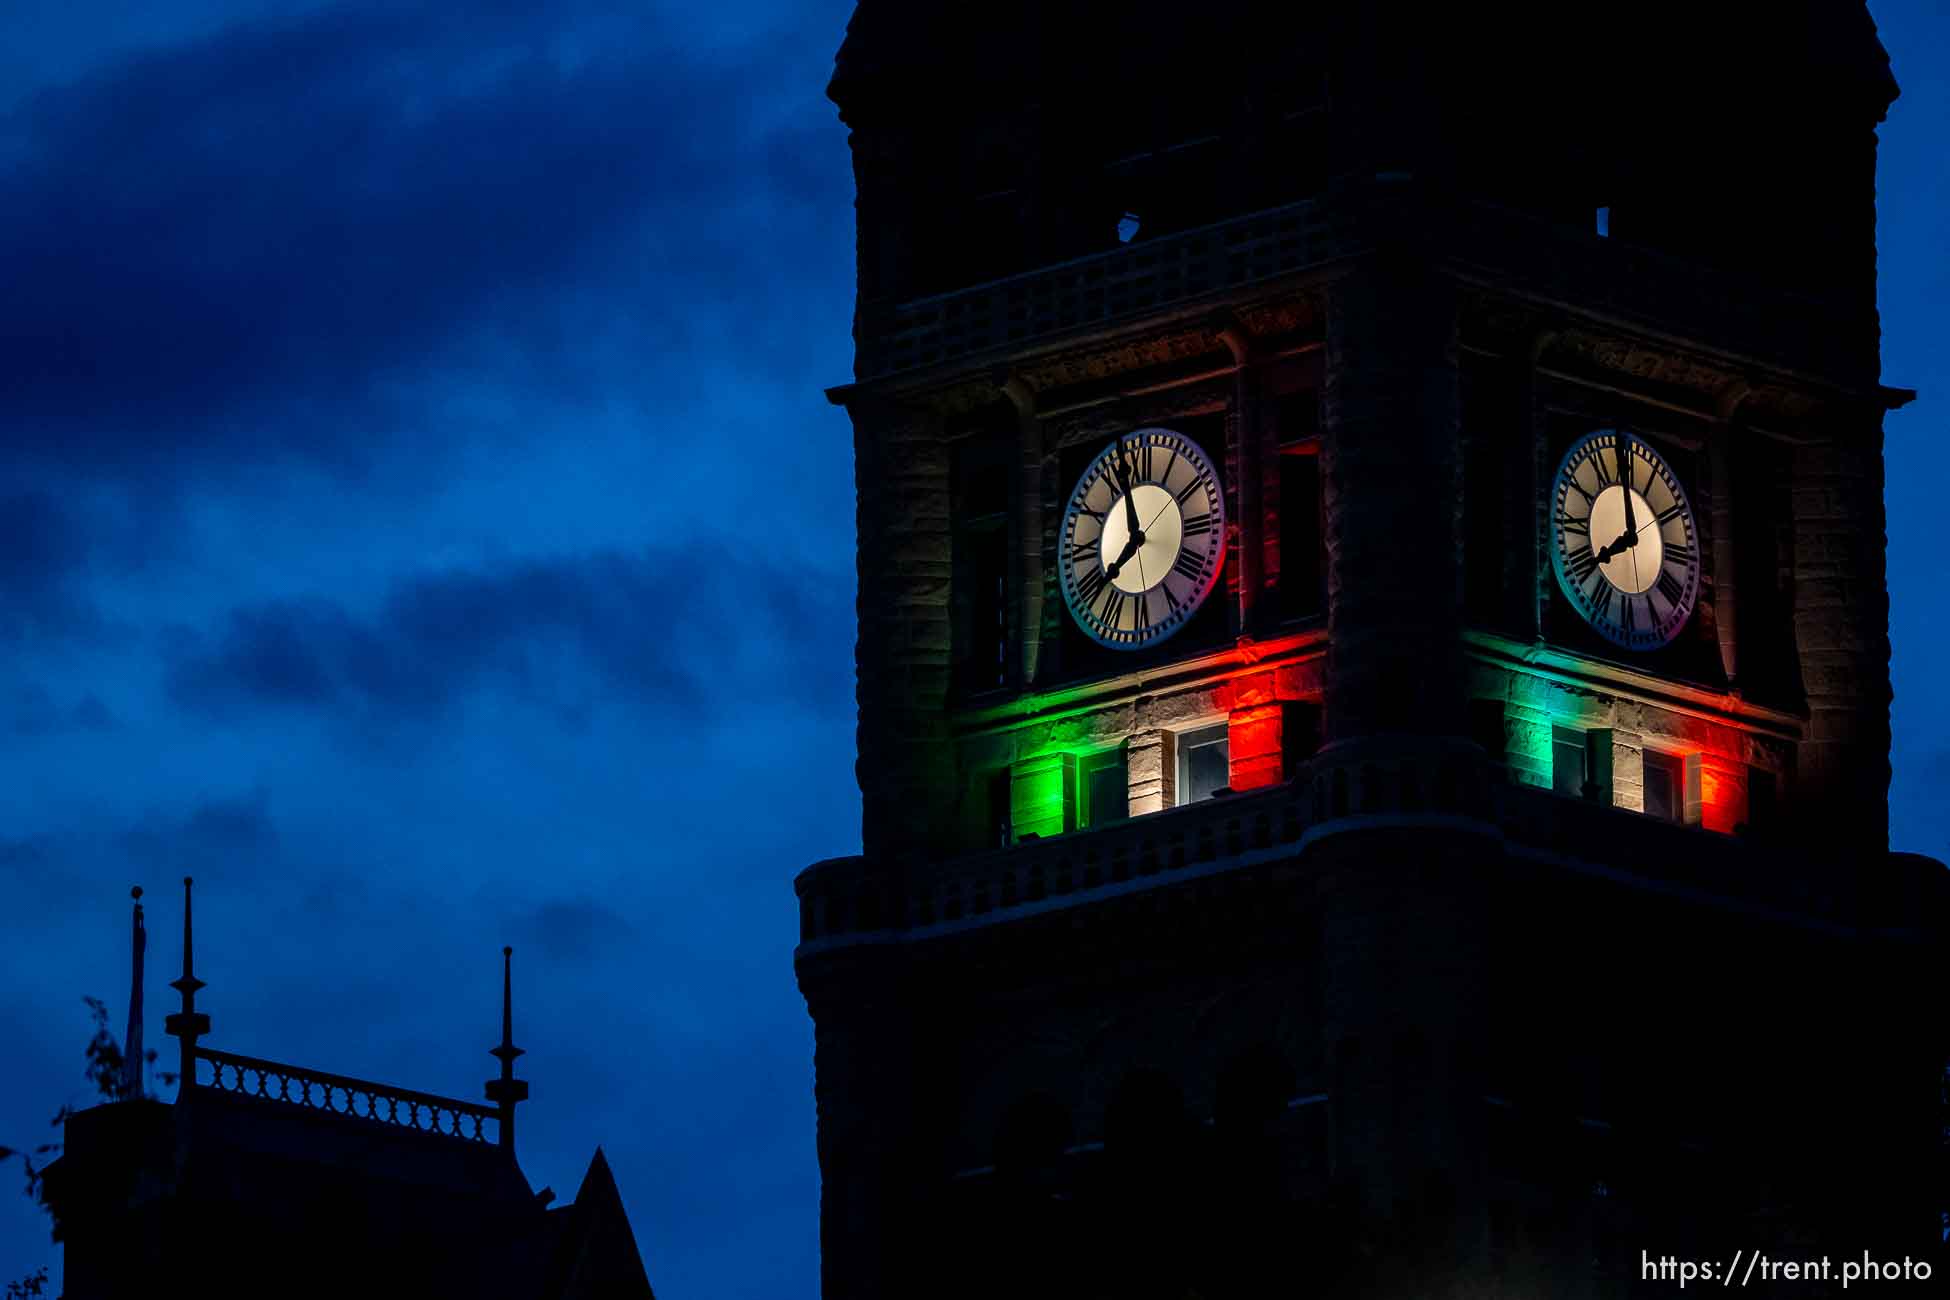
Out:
{"x": 1774, "y": 320}
{"x": 845, "y": 897}
{"x": 1094, "y": 290}
{"x": 248, "y": 1076}
{"x": 1444, "y": 786}
{"x": 1516, "y": 250}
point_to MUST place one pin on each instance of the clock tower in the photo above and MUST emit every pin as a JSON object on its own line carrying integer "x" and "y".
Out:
{"x": 1373, "y": 658}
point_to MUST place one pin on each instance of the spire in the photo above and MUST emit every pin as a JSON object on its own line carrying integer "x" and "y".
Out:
{"x": 505, "y": 1091}
{"x": 132, "y": 1043}
{"x": 187, "y": 1025}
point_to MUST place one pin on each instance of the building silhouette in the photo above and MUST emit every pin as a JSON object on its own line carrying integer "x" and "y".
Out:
{"x": 268, "y": 1179}
{"x": 1471, "y": 875}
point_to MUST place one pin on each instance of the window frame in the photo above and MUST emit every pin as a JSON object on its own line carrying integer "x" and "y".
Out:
{"x": 1596, "y": 766}
{"x": 1088, "y": 765}
{"x": 1189, "y": 739}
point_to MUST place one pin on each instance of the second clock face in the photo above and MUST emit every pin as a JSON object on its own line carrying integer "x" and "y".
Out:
{"x": 1143, "y": 539}
{"x": 1623, "y": 540}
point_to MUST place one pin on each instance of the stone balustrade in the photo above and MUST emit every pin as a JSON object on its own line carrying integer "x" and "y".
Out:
{"x": 1437, "y": 786}
{"x": 249, "y": 1076}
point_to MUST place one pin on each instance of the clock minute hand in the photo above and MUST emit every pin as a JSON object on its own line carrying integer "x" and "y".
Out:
{"x": 1625, "y": 477}
{"x": 1130, "y": 499}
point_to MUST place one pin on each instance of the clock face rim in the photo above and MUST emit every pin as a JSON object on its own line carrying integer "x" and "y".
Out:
{"x": 1192, "y": 452}
{"x": 1669, "y": 627}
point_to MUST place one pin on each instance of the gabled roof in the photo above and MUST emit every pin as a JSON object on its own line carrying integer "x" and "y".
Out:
{"x": 595, "y": 1253}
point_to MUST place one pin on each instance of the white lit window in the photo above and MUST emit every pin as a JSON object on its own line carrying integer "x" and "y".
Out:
{"x": 1672, "y": 787}
{"x": 1204, "y": 763}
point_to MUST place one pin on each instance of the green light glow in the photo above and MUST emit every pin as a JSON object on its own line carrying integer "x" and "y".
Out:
{"x": 1042, "y": 795}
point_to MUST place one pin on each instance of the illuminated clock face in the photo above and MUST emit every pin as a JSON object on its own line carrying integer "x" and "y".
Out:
{"x": 1623, "y": 540}
{"x": 1143, "y": 539}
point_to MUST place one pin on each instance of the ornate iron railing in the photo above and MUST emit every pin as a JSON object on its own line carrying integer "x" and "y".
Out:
{"x": 359, "y": 1099}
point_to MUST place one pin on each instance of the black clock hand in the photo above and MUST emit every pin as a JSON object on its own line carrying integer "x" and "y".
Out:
{"x": 1625, "y": 476}
{"x": 1616, "y": 545}
{"x": 1131, "y": 546}
{"x": 1130, "y": 499}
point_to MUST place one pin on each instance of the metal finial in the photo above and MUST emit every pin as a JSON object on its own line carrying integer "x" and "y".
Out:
{"x": 187, "y": 1025}
{"x": 507, "y": 998}
{"x": 505, "y": 1091}
{"x": 132, "y": 1040}
{"x": 190, "y": 983}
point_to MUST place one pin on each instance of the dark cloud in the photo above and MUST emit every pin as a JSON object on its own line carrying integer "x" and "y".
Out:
{"x": 574, "y": 929}
{"x": 33, "y": 711}
{"x": 660, "y": 627}
{"x": 237, "y": 830}
{"x": 256, "y": 244}
{"x": 43, "y": 549}
{"x": 23, "y": 853}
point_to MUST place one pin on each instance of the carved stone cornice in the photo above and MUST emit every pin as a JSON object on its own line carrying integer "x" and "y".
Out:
{"x": 1689, "y": 380}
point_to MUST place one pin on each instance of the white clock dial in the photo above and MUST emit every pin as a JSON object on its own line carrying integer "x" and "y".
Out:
{"x": 1143, "y": 539}
{"x": 1624, "y": 544}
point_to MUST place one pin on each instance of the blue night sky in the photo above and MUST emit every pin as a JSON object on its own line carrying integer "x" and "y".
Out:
{"x": 420, "y": 521}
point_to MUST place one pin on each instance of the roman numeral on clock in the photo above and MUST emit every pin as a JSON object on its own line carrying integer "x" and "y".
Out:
{"x": 1190, "y": 564}
{"x": 1089, "y": 584}
{"x": 1582, "y": 564}
{"x": 1669, "y": 588}
{"x": 1112, "y": 612}
{"x": 1679, "y": 553}
{"x": 1570, "y": 523}
{"x": 1191, "y": 487}
{"x": 1199, "y": 525}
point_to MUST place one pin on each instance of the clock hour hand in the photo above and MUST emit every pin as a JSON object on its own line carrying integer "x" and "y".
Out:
{"x": 1628, "y": 538}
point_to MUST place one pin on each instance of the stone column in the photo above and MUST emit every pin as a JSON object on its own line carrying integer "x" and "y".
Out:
{"x": 1404, "y": 984}
{"x": 1841, "y": 626}
{"x": 1393, "y": 500}
{"x": 1725, "y": 569}
{"x": 1028, "y": 543}
{"x": 863, "y": 1089}
{"x": 1149, "y": 760}
{"x": 1245, "y": 452}
{"x": 905, "y": 767}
